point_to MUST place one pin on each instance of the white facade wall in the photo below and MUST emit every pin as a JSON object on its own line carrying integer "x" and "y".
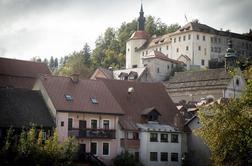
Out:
{"x": 235, "y": 87}
{"x": 146, "y": 147}
{"x": 159, "y": 69}
{"x": 133, "y": 57}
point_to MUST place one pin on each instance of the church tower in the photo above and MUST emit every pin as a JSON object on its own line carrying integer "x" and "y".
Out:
{"x": 137, "y": 39}
{"x": 141, "y": 20}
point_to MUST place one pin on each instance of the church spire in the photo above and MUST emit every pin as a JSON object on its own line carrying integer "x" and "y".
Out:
{"x": 141, "y": 19}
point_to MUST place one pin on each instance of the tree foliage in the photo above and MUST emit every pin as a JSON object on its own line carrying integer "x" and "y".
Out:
{"x": 31, "y": 149}
{"x": 227, "y": 130}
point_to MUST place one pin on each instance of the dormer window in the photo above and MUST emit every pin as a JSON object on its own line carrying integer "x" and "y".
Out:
{"x": 94, "y": 100}
{"x": 68, "y": 97}
{"x": 150, "y": 114}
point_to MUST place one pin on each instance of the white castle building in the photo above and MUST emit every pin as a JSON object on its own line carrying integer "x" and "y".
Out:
{"x": 194, "y": 44}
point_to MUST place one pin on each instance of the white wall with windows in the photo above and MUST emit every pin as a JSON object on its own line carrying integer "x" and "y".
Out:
{"x": 160, "y": 146}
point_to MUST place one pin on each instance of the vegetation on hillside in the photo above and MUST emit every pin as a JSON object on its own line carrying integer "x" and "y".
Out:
{"x": 109, "y": 51}
{"x": 227, "y": 129}
{"x": 30, "y": 149}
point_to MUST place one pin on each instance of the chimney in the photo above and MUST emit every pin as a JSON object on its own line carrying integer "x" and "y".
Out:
{"x": 75, "y": 78}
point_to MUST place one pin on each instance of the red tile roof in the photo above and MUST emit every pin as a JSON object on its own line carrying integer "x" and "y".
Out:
{"x": 19, "y": 73}
{"x": 139, "y": 35}
{"x": 160, "y": 55}
{"x": 145, "y": 95}
{"x": 57, "y": 87}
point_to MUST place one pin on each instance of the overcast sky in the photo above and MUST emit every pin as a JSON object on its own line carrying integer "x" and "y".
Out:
{"x": 45, "y": 28}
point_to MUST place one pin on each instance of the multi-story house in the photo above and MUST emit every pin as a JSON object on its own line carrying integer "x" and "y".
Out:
{"x": 112, "y": 116}
{"x": 85, "y": 109}
{"x": 194, "y": 44}
{"x": 151, "y": 127}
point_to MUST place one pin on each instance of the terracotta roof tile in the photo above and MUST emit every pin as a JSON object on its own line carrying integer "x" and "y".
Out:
{"x": 145, "y": 95}
{"x": 19, "y": 73}
{"x": 139, "y": 35}
{"x": 57, "y": 87}
{"x": 160, "y": 55}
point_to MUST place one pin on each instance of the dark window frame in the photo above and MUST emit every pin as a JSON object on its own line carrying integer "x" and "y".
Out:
{"x": 153, "y": 156}
{"x": 155, "y": 138}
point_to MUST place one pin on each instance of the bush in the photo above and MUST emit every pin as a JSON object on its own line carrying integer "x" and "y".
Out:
{"x": 31, "y": 150}
{"x": 125, "y": 159}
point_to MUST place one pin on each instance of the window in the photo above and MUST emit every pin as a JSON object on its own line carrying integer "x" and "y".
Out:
{"x": 94, "y": 100}
{"x": 168, "y": 67}
{"x": 158, "y": 70}
{"x": 93, "y": 148}
{"x": 143, "y": 53}
{"x": 153, "y": 137}
{"x": 184, "y": 38}
{"x": 106, "y": 124}
{"x": 135, "y": 135}
{"x": 43, "y": 135}
{"x": 164, "y": 137}
{"x": 212, "y": 49}
{"x": 237, "y": 82}
{"x": 171, "y": 65}
{"x": 68, "y": 97}
{"x": 163, "y": 156}
{"x": 137, "y": 156}
{"x": 128, "y": 49}
{"x": 204, "y": 51}
{"x": 202, "y": 62}
{"x": 94, "y": 124}
{"x": 211, "y": 39}
{"x": 177, "y": 49}
{"x": 189, "y": 36}
{"x": 187, "y": 48}
{"x": 62, "y": 123}
{"x": 174, "y": 40}
{"x": 174, "y": 156}
{"x": 160, "y": 49}
{"x": 174, "y": 138}
{"x": 70, "y": 123}
{"x": 204, "y": 38}
{"x": 219, "y": 40}
{"x": 146, "y": 52}
{"x": 153, "y": 156}
{"x": 199, "y": 48}
{"x": 134, "y": 66}
{"x": 197, "y": 37}
{"x": 215, "y": 40}
{"x": 167, "y": 47}
{"x": 105, "y": 148}
{"x": 179, "y": 38}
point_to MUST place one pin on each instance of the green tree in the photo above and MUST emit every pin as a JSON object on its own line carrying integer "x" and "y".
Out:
{"x": 227, "y": 130}
{"x": 86, "y": 54}
{"x": 51, "y": 64}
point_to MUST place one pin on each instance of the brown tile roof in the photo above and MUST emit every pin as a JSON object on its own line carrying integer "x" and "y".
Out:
{"x": 22, "y": 107}
{"x": 160, "y": 55}
{"x": 108, "y": 73}
{"x": 139, "y": 35}
{"x": 19, "y": 73}
{"x": 145, "y": 95}
{"x": 57, "y": 87}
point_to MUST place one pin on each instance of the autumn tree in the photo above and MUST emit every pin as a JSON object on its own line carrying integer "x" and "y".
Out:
{"x": 227, "y": 130}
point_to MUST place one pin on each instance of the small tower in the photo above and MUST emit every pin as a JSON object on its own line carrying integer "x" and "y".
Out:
{"x": 137, "y": 39}
{"x": 230, "y": 57}
{"x": 141, "y": 20}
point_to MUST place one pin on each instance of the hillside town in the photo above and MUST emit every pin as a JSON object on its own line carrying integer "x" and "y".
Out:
{"x": 147, "y": 110}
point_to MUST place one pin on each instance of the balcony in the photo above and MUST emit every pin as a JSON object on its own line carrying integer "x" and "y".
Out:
{"x": 91, "y": 133}
{"x": 130, "y": 143}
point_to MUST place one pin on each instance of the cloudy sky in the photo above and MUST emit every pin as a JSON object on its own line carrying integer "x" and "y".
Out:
{"x": 45, "y": 28}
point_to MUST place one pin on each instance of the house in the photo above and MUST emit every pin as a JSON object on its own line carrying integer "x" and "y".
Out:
{"x": 211, "y": 83}
{"x": 21, "y": 108}
{"x": 140, "y": 74}
{"x": 199, "y": 44}
{"x": 20, "y": 74}
{"x": 151, "y": 127}
{"x": 85, "y": 109}
{"x": 111, "y": 116}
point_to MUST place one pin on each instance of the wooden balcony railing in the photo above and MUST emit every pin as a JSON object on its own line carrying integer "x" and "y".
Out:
{"x": 130, "y": 143}
{"x": 91, "y": 133}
